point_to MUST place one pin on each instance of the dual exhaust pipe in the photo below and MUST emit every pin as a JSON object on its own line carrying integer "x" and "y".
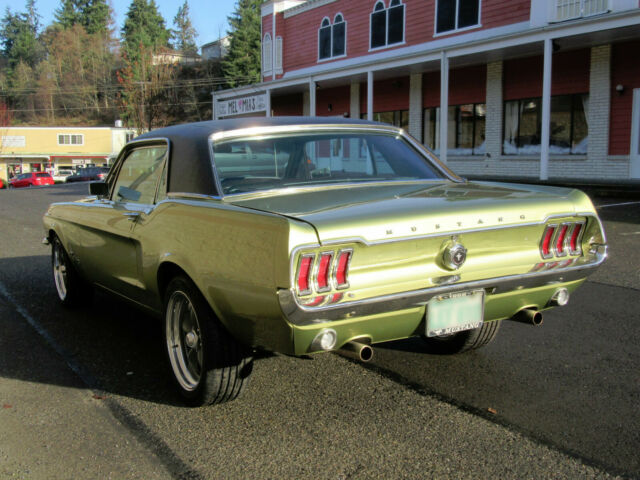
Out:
{"x": 357, "y": 351}
{"x": 532, "y": 316}
{"x": 528, "y": 316}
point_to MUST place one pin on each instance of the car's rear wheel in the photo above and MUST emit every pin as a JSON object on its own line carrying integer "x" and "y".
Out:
{"x": 71, "y": 288}
{"x": 208, "y": 365}
{"x": 462, "y": 341}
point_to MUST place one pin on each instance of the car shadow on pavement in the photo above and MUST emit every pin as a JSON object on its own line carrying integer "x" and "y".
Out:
{"x": 112, "y": 346}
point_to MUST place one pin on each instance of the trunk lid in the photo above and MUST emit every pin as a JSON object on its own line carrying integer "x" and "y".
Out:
{"x": 382, "y": 212}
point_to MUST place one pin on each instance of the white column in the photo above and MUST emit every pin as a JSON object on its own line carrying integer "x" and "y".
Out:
{"x": 415, "y": 106}
{"x": 444, "y": 105}
{"x": 546, "y": 110}
{"x": 493, "y": 124}
{"x": 306, "y": 102}
{"x": 213, "y": 106}
{"x": 267, "y": 102}
{"x": 599, "y": 110}
{"x": 312, "y": 98}
{"x": 354, "y": 106}
{"x": 369, "y": 95}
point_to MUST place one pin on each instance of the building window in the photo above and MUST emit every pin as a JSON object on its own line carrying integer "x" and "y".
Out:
{"x": 398, "y": 118}
{"x": 267, "y": 55}
{"x": 65, "y": 139}
{"x": 568, "y": 130}
{"x": 466, "y": 129}
{"x": 568, "y": 9}
{"x": 387, "y": 24}
{"x": 129, "y": 136}
{"x": 332, "y": 38}
{"x": 454, "y": 15}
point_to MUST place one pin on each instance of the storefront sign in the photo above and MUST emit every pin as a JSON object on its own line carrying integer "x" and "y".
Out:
{"x": 14, "y": 141}
{"x": 241, "y": 106}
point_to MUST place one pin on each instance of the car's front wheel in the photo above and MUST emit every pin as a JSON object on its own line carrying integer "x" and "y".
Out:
{"x": 462, "y": 341}
{"x": 208, "y": 365}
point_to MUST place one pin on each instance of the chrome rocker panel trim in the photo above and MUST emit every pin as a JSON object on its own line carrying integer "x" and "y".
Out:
{"x": 301, "y": 316}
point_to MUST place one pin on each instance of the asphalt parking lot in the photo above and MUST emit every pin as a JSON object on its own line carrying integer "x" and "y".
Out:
{"x": 85, "y": 393}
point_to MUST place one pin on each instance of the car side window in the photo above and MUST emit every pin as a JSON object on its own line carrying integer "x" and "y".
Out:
{"x": 138, "y": 177}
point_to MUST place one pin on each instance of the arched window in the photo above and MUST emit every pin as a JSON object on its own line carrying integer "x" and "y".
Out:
{"x": 324, "y": 39}
{"x": 332, "y": 38}
{"x": 387, "y": 24}
{"x": 338, "y": 36}
{"x": 267, "y": 55}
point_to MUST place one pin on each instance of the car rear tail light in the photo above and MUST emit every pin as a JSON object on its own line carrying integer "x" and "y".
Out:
{"x": 342, "y": 269}
{"x": 324, "y": 265}
{"x": 574, "y": 241}
{"x": 545, "y": 245}
{"x": 336, "y": 297}
{"x": 314, "y": 302}
{"x": 304, "y": 274}
{"x": 560, "y": 238}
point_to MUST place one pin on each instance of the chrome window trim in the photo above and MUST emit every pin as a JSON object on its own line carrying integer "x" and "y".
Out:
{"x": 258, "y": 132}
{"x": 133, "y": 144}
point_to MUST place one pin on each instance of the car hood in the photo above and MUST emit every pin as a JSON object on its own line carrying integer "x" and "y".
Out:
{"x": 378, "y": 212}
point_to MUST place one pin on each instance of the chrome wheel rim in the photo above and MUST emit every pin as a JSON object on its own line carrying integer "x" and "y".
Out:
{"x": 184, "y": 341}
{"x": 59, "y": 271}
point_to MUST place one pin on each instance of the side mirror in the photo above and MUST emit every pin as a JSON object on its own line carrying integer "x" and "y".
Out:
{"x": 99, "y": 189}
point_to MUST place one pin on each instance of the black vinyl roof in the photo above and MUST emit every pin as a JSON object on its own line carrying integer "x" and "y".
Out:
{"x": 190, "y": 167}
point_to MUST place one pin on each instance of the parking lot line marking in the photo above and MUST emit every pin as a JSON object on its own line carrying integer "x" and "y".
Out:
{"x": 618, "y": 204}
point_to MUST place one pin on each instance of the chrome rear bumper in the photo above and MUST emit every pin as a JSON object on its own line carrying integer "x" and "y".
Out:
{"x": 300, "y": 315}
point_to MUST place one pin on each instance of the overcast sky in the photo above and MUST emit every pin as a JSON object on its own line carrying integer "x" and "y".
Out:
{"x": 209, "y": 17}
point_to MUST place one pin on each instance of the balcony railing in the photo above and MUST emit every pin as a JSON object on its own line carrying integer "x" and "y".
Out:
{"x": 569, "y": 9}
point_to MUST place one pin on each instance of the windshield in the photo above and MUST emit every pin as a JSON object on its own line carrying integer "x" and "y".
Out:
{"x": 252, "y": 164}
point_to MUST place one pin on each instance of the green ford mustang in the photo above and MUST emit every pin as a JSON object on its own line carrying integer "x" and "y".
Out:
{"x": 306, "y": 235}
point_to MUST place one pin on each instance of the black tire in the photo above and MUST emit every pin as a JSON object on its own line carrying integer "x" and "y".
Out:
{"x": 207, "y": 364}
{"x": 463, "y": 341}
{"x": 71, "y": 288}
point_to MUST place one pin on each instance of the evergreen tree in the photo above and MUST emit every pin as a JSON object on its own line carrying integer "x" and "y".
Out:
{"x": 242, "y": 63}
{"x": 67, "y": 14}
{"x": 96, "y": 16}
{"x": 93, "y": 15}
{"x": 19, "y": 37}
{"x": 184, "y": 35}
{"x": 143, "y": 27}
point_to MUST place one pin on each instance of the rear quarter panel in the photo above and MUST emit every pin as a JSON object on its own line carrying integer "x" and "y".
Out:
{"x": 238, "y": 258}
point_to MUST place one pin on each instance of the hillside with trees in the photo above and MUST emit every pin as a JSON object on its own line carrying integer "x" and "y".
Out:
{"x": 80, "y": 70}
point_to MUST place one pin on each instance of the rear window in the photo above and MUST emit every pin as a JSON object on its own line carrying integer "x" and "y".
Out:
{"x": 279, "y": 161}
{"x": 42, "y": 174}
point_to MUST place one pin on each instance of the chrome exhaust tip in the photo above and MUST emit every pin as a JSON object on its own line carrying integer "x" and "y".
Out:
{"x": 529, "y": 316}
{"x": 357, "y": 351}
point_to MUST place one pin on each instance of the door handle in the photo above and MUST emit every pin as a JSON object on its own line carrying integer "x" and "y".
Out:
{"x": 132, "y": 216}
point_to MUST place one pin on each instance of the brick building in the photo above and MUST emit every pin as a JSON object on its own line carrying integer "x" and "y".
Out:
{"x": 546, "y": 89}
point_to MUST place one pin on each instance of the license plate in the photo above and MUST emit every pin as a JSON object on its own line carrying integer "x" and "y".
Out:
{"x": 455, "y": 312}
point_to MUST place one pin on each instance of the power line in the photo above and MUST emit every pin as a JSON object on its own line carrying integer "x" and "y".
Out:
{"x": 114, "y": 88}
{"x": 114, "y": 107}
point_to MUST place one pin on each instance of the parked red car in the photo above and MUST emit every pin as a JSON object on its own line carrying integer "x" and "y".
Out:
{"x": 1, "y": 184}
{"x": 31, "y": 179}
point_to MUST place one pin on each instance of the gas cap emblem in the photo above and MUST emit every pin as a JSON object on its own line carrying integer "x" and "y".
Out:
{"x": 454, "y": 256}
